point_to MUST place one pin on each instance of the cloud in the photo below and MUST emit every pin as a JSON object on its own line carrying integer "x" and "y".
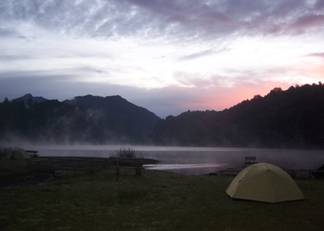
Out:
{"x": 11, "y": 57}
{"x": 5, "y": 32}
{"x": 317, "y": 54}
{"x": 201, "y": 54}
{"x": 307, "y": 22}
{"x": 188, "y": 19}
{"x": 165, "y": 55}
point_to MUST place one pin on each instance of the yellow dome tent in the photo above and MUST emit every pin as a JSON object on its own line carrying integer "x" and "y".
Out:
{"x": 264, "y": 182}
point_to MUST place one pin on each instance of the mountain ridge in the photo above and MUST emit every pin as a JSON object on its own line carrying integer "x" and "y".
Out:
{"x": 91, "y": 119}
{"x": 282, "y": 118}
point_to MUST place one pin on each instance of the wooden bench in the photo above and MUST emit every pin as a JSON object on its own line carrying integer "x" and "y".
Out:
{"x": 130, "y": 163}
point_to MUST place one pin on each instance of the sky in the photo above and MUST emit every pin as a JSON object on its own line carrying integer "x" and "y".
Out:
{"x": 169, "y": 56}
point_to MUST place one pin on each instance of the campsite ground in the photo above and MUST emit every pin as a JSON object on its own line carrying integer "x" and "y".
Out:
{"x": 89, "y": 197}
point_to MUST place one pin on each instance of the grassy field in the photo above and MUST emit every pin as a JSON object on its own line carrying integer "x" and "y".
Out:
{"x": 90, "y": 198}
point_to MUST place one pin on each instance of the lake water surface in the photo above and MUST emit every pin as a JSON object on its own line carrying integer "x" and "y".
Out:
{"x": 196, "y": 159}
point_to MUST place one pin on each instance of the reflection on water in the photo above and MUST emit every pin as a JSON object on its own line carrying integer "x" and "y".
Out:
{"x": 179, "y": 166}
{"x": 197, "y": 156}
{"x": 192, "y": 169}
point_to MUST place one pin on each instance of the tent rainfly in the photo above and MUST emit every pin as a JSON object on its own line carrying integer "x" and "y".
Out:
{"x": 264, "y": 182}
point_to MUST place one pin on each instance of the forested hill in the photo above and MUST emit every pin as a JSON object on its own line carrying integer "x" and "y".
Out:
{"x": 290, "y": 118}
{"x": 84, "y": 119}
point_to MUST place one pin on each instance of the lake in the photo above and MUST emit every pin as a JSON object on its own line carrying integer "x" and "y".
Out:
{"x": 195, "y": 160}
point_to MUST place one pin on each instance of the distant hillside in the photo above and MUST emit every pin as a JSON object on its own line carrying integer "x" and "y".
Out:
{"x": 90, "y": 119}
{"x": 291, "y": 118}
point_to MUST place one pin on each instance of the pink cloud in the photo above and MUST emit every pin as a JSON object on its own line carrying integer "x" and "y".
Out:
{"x": 308, "y": 21}
{"x": 219, "y": 98}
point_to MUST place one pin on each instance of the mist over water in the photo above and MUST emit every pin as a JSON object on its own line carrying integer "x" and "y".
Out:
{"x": 195, "y": 159}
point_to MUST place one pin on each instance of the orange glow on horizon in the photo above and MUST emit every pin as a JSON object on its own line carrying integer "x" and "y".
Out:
{"x": 231, "y": 96}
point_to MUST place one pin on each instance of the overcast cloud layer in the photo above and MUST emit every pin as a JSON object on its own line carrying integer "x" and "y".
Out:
{"x": 166, "y": 55}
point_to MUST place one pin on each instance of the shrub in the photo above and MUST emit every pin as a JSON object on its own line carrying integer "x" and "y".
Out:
{"x": 12, "y": 154}
{"x": 126, "y": 154}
